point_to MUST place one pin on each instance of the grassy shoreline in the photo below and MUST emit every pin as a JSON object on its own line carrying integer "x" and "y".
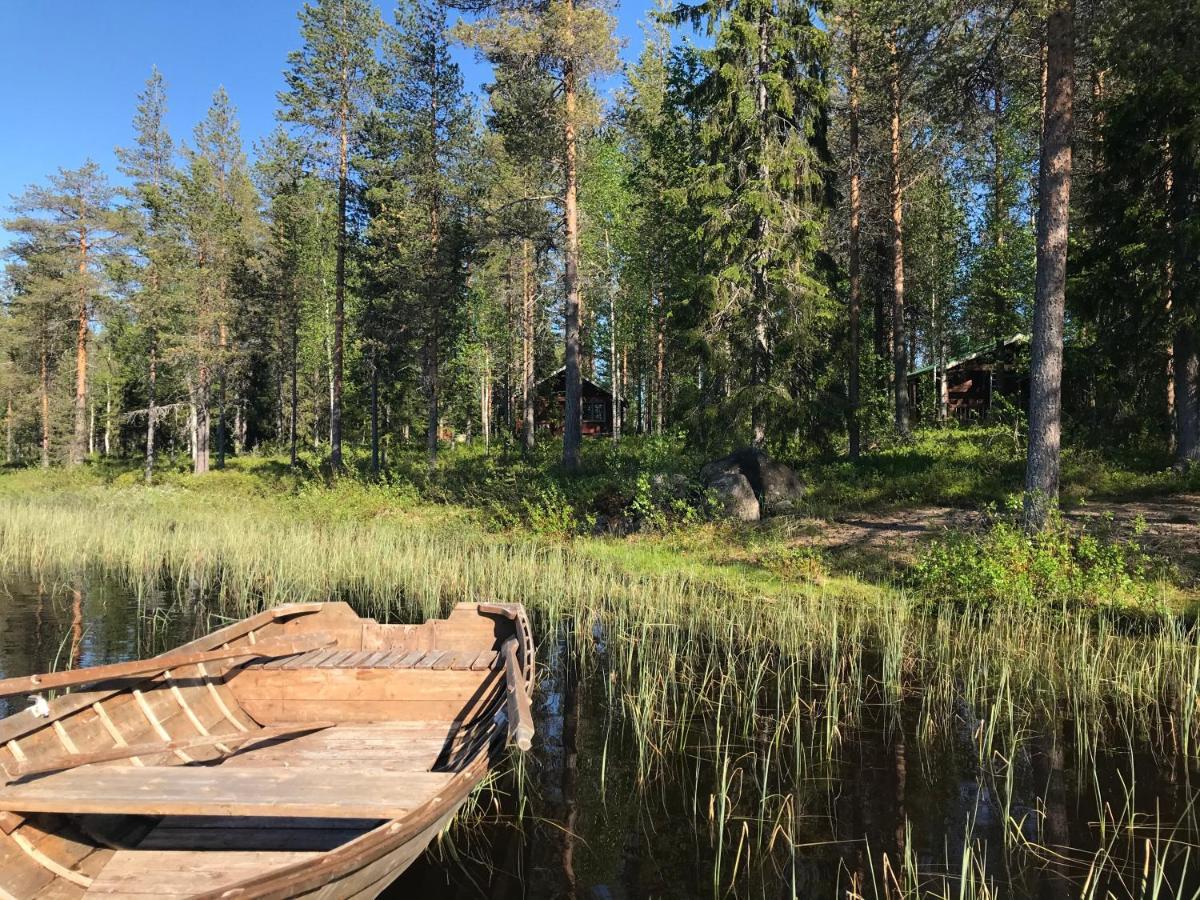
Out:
{"x": 251, "y": 535}
{"x": 702, "y": 643}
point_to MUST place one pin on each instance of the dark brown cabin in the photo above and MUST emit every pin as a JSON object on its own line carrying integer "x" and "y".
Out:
{"x": 966, "y": 388}
{"x": 552, "y": 399}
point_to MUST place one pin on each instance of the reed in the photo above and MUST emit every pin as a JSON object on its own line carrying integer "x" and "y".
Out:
{"x": 749, "y": 699}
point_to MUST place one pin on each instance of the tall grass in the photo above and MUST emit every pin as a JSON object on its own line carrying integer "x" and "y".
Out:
{"x": 762, "y": 694}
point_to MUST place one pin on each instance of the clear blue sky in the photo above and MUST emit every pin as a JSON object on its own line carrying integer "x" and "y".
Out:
{"x": 71, "y": 72}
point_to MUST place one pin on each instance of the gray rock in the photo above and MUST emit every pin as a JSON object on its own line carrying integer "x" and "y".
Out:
{"x": 774, "y": 484}
{"x": 672, "y": 486}
{"x": 736, "y": 496}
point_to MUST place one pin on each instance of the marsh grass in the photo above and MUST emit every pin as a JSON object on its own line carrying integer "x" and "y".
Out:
{"x": 751, "y": 696}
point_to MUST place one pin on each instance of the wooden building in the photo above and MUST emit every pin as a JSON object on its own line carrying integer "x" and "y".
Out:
{"x": 966, "y": 388}
{"x": 552, "y": 399}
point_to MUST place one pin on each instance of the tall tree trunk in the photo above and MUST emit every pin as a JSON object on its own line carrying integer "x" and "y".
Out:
{"x": 614, "y": 361}
{"x": 44, "y": 392}
{"x": 527, "y": 336}
{"x": 293, "y": 418}
{"x": 81, "y": 357}
{"x": 374, "y": 415}
{"x": 660, "y": 365}
{"x": 1054, "y": 204}
{"x": 1185, "y": 345}
{"x": 998, "y": 212}
{"x": 339, "y": 309}
{"x": 896, "y": 201}
{"x": 572, "y": 407}
{"x": 151, "y": 411}
{"x": 761, "y": 291}
{"x": 855, "y": 250}
{"x": 108, "y": 419}
{"x": 432, "y": 342}
{"x": 91, "y": 432}
{"x": 485, "y": 403}
{"x": 203, "y": 423}
{"x": 1187, "y": 396}
{"x": 8, "y": 430}
{"x": 222, "y": 436}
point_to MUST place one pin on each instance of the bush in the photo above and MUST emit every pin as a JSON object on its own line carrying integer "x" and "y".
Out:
{"x": 1060, "y": 567}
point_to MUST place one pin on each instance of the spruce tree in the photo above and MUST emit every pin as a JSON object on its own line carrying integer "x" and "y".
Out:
{"x": 763, "y": 187}
{"x": 328, "y": 94}
{"x": 149, "y": 164}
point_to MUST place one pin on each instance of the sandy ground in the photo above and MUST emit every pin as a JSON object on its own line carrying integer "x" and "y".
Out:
{"x": 1172, "y": 528}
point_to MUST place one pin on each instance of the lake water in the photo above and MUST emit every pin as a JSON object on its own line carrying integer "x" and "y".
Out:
{"x": 877, "y": 815}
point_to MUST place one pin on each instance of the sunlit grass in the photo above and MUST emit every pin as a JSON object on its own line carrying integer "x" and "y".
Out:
{"x": 709, "y": 644}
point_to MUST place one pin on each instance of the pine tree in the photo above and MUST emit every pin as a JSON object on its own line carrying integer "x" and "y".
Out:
{"x": 573, "y": 41}
{"x": 1054, "y": 201}
{"x": 73, "y": 217}
{"x": 328, "y": 94}
{"x": 38, "y": 318}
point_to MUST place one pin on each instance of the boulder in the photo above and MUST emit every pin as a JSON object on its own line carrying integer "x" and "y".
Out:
{"x": 774, "y": 484}
{"x": 736, "y": 496}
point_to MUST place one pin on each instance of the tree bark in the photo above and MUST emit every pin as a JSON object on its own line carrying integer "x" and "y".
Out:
{"x": 8, "y": 430}
{"x": 527, "y": 336}
{"x": 222, "y": 435}
{"x": 572, "y": 407}
{"x": 1183, "y": 362}
{"x": 660, "y": 364}
{"x": 339, "y": 308}
{"x": 203, "y": 423}
{"x": 44, "y": 391}
{"x": 293, "y": 419}
{"x": 151, "y": 412}
{"x": 374, "y": 416}
{"x": 81, "y": 356}
{"x": 855, "y": 300}
{"x": 485, "y": 403}
{"x": 108, "y": 421}
{"x": 1053, "y": 220}
{"x": 1187, "y": 396}
{"x": 896, "y": 201}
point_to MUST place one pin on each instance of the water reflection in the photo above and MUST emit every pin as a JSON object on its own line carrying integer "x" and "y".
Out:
{"x": 873, "y": 811}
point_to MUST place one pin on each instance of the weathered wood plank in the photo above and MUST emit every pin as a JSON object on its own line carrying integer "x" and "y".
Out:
{"x": 225, "y": 791}
{"x": 183, "y": 873}
{"x": 25, "y": 684}
{"x": 43, "y": 766}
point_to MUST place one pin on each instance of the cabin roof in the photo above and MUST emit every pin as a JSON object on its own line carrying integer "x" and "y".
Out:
{"x": 973, "y": 354}
{"x": 560, "y": 372}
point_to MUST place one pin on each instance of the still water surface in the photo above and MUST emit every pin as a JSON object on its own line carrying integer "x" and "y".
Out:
{"x": 881, "y": 817}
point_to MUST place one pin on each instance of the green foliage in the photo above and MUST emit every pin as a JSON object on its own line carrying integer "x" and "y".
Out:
{"x": 1060, "y": 567}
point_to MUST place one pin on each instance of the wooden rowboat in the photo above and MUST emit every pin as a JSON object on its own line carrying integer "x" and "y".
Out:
{"x": 303, "y": 751}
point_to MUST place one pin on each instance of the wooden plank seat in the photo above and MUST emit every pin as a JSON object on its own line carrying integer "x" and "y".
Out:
{"x": 360, "y": 793}
{"x": 438, "y": 660}
{"x": 183, "y": 873}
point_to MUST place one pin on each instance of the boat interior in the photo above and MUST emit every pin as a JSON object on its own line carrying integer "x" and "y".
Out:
{"x": 324, "y": 729}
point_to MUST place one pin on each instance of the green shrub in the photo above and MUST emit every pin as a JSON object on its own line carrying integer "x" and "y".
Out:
{"x": 1061, "y": 567}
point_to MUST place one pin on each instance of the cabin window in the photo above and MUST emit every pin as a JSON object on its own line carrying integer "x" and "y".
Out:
{"x": 594, "y": 409}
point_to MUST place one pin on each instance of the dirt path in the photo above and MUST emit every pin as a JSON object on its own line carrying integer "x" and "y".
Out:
{"x": 1172, "y": 528}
